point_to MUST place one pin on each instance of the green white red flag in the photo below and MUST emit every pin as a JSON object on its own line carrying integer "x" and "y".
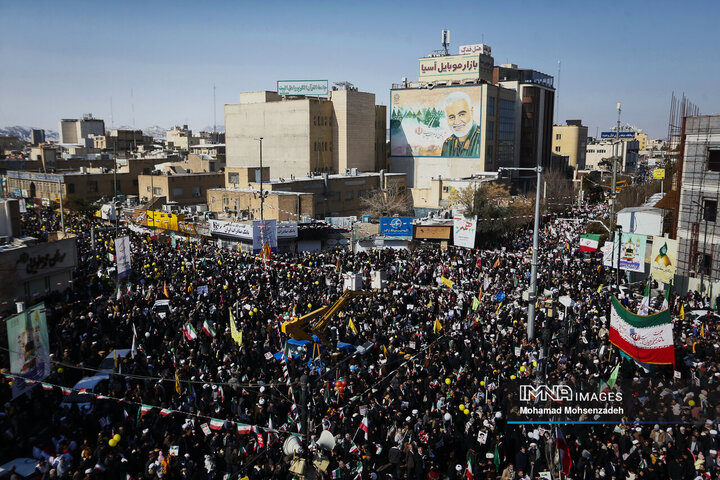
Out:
{"x": 647, "y": 339}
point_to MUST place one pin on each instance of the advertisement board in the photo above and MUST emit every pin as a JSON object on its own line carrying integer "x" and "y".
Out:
{"x": 464, "y": 231}
{"x": 632, "y": 253}
{"x": 663, "y": 260}
{"x": 658, "y": 173}
{"x": 29, "y": 348}
{"x": 231, "y": 229}
{"x": 302, "y": 87}
{"x": 442, "y": 122}
{"x": 623, "y": 135}
{"x": 450, "y": 66}
{"x": 396, "y": 226}
{"x": 123, "y": 256}
{"x": 475, "y": 48}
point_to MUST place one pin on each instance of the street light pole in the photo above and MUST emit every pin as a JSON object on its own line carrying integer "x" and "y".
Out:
{"x": 533, "y": 264}
{"x": 262, "y": 195}
{"x": 616, "y": 151}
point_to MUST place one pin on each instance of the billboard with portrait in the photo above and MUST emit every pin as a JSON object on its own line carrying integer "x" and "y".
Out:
{"x": 438, "y": 122}
{"x": 29, "y": 347}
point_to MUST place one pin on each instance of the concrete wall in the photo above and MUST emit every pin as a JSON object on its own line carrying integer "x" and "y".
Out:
{"x": 278, "y": 206}
{"x": 354, "y": 114}
{"x": 189, "y": 189}
{"x": 285, "y": 127}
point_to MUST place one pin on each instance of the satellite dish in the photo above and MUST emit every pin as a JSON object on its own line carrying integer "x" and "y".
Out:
{"x": 326, "y": 440}
{"x": 292, "y": 446}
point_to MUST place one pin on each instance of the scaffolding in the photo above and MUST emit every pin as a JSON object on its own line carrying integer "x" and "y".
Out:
{"x": 697, "y": 227}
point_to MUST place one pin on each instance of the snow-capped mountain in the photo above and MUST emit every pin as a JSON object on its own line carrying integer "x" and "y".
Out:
{"x": 23, "y": 133}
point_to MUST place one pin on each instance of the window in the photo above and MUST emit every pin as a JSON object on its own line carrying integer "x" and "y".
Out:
{"x": 225, "y": 200}
{"x": 349, "y": 195}
{"x": 557, "y": 149}
{"x": 234, "y": 178}
{"x": 558, "y": 136}
{"x": 148, "y": 188}
{"x": 704, "y": 263}
{"x": 71, "y": 188}
{"x": 92, "y": 186}
{"x": 157, "y": 191}
{"x": 335, "y": 196}
{"x": 491, "y": 106}
{"x": 714, "y": 160}
{"x": 196, "y": 191}
{"x": 490, "y": 130}
{"x": 446, "y": 189}
{"x": 710, "y": 210}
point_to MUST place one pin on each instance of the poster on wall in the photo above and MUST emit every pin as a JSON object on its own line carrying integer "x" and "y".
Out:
{"x": 663, "y": 259}
{"x": 442, "y": 122}
{"x": 464, "y": 231}
{"x": 29, "y": 348}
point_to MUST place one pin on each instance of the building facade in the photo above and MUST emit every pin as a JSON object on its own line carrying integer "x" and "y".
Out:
{"x": 122, "y": 140}
{"x": 571, "y": 140}
{"x": 534, "y": 112}
{"x": 183, "y": 188}
{"x": 599, "y": 155}
{"x": 697, "y": 227}
{"x": 77, "y": 131}
{"x": 304, "y": 135}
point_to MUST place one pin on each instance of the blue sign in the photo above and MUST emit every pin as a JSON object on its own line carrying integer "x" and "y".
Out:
{"x": 500, "y": 296}
{"x": 396, "y": 226}
{"x": 623, "y": 135}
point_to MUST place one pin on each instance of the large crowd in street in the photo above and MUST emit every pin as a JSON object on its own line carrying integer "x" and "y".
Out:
{"x": 426, "y": 396}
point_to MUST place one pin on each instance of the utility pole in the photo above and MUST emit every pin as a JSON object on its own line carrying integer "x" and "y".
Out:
{"x": 262, "y": 194}
{"x": 62, "y": 208}
{"x": 613, "y": 194}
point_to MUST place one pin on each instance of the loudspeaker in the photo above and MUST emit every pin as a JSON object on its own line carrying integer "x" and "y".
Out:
{"x": 291, "y": 446}
{"x": 326, "y": 440}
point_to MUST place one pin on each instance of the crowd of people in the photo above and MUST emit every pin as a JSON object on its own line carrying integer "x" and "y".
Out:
{"x": 427, "y": 395}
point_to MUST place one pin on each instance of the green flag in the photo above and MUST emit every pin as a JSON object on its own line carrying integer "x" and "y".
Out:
{"x": 613, "y": 376}
{"x": 496, "y": 459}
{"x": 476, "y": 303}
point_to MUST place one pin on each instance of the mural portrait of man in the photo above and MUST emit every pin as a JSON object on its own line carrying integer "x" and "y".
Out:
{"x": 464, "y": 140}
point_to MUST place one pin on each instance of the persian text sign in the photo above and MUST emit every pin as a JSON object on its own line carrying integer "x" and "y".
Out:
{"x": 302, "y": 87}
{"x": 464, "y": 231}
{"x": 453, "y": 66}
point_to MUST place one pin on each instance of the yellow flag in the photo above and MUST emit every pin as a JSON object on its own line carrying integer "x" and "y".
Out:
{"x": 115, "y": 356}
{"x": 234, "y": 332}
{"x": 499, "y": 307}
{"x": 702, "y": 330}
{"x": 429, "y": 304}
{"x": 177, "y": 384}
{"x": 599, "y": 288}
{"x": 437, "y": 326}
{"x": 682, "y": 312}
{"x": 447, "y": 282}
{"x": 352, "y": 326}
{"x": 385, "y": 351}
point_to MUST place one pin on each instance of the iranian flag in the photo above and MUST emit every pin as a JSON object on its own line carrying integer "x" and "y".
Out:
{"x": 468, "y": 470}
{"x": 364, "y": 427}
{"x": 216, "y": 424}
{"x": 589, "y": 242}
{"x": 47, "y": 387}
{"x": 145, "y": 409}
{"x": 190, "y": 332}
{"x": 647, "y": 339}
{"x": 244, "y": 429}
{"x": 208, "y": 329}
{"x": 165, "y": 412}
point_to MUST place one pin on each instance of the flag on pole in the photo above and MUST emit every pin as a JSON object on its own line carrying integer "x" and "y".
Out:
{"x": 208, "y": 329}
{"x": 437, "y": 326}
{"x": 564, "y": 450}
{"x": 216, "y": 424}
{"x": 364, "y": 427}
{"x": 165, "y": 290}
{"x": 496, "y": 458}
{"x": 645, "y": 304}
{"x": 190, "y": 332}
{"x": 468, "y": 470}
{"x": 352, "y": 326}
{"x": 475, "y": 304}
{"x": 666, "y": 303}
{"x": 133, "y": 348}
{"x": 497, "y": 263}
{"x": 144, "y": 409}
{"x": 613, "y": 376}
{"x": 648, "y": 339}
{"x": 682, "y": 312}
{"x": 446, "y": 281}
{"x": 589, "y": 242}
{"x": 486, "y": 283}
{"x": 177, "y": 384}
{"x": 234, "y": 332}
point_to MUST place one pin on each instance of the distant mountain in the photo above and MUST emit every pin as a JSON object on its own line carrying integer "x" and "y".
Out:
{"x": 219, "y": 128}
{"x": 23, "y": 133}
{"x": 153, "y": 131}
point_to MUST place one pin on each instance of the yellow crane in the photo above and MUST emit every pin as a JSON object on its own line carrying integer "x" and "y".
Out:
{"x": 317, "y": 321}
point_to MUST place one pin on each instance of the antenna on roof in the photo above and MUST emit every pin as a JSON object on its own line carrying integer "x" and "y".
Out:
{"x": 446, "y": 40}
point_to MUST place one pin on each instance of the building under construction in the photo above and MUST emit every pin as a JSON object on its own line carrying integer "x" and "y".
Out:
{"x": 696, "y": 225}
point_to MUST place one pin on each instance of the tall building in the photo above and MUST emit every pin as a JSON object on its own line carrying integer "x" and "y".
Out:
{"x": 571, "y": 141}
{"x": 181, "y": 138}
{"x": 303, "y": 134}
{"x": 599, "y": 154}
{"x": 37, "y": 137}
{"x": 697, "y": 227}
{"x": 78, "y": 131}
{"x": 534, "y": 112}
